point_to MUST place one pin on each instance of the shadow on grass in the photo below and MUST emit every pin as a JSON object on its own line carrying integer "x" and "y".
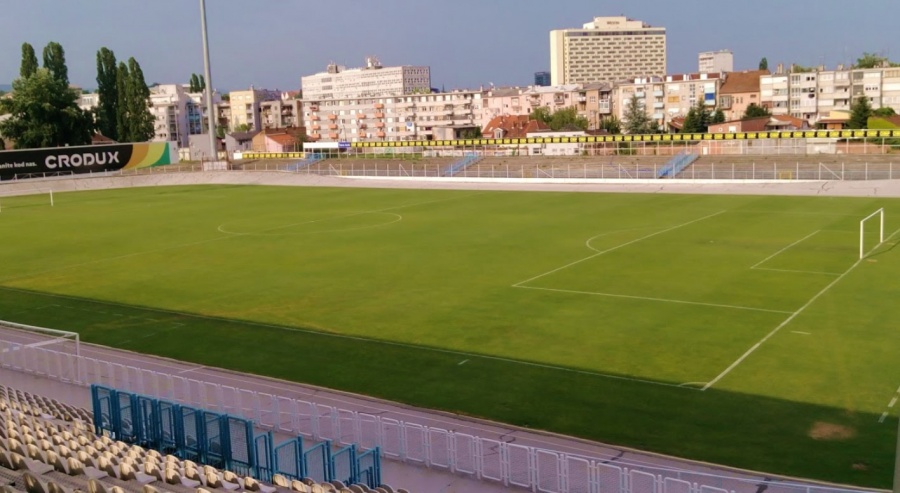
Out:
{"x": 740, "y": 430}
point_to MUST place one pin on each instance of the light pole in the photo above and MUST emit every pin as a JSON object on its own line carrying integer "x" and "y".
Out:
{"x": 211, "y": 121}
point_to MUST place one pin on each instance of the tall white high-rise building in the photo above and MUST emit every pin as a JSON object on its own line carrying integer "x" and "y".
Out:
{"x": 373, "y": 80}
{"x": 715, "y": 61}
{"x": 608, "y": 49}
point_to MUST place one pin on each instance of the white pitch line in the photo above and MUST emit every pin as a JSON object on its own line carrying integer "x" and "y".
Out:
{"x": 662, "y": 300}
{"x": 893, "y": 401}
{"x": 798, "y": 271}
{"x": 786, "y": 321}
{"x": 462, "y": 362}
{"x": 601, "y": 252}
{"x": 801, "y": 333}
{"x": 801, "y": 240}
{"x": 883, "y": 417}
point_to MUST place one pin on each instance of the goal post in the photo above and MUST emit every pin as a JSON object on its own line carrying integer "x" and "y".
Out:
{"x": 862, "y": 231}
{"x": 26, "y": 192}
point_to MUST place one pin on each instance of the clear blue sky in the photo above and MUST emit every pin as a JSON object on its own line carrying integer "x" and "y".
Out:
{"x": 467, "y": 43}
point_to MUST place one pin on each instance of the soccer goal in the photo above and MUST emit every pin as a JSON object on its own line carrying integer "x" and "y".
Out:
{"x": 879, "y": 214}
{"x": 44, "y": 195}
{"x": 41, "y": 351}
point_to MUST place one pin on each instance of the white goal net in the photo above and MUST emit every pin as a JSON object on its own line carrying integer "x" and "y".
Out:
{"x": 40, "y": 351}
{"x": 25, "y": 197}
{"x": 871, "y": 230}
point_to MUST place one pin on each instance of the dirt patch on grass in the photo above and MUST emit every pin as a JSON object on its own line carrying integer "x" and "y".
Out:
{"x": 831, "y": 432}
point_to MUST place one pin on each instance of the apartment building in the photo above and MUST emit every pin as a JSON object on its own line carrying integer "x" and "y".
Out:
{"x": 666, "y": 98}
{"x": 373, "y": 80}
{"x": 715, "y": 61}
{"x": 813, "y": 94}
{"x": 282, "y": 112}
{"x": 592, "y": 101}
{"x": 740, "y": 90}
{"x": 608, "y": 49}
{"x": 390, "y": 118}
{"x": 246, "y": 107}
{"x": 177, "y": 113}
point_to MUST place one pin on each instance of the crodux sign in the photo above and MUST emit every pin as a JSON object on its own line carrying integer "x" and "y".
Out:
{"x": 84, "y": 159}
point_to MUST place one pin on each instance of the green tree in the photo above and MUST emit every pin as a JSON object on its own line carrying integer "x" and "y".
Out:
{"x": 44, "y": 112}
{"x": 541, "y": 114}
{"x": 138, "y": 105}
{"x": 755, "y": 111}
{"x": 718, "y": 117}
{"x": 692, "y": 123}
{"x": 567, "y": 118}
{"x": 653, "y": 127}
{"x": 873, "y": 60}
{"x": 611, "y": 124}
{"x": 635, "y": 118}
{"x": 55, "y": 62}
{"x": 220, "y": 132}
{"x": 107, "y": 110}
{"x": 122, "y": 120}
{"x": 884, "y": 112}
{"x": 470, "y": 133}
{"x": 194, "y": 84}
{"x": 201, "y": 83}
{"x": 704, "y": 117}
{"x": 860, "y": 112}
{"x": 764, "y": 64}
{"x": 29, "y": 61}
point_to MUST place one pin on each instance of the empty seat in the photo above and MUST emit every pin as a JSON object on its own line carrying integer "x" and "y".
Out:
{"x": 33, "y": 484}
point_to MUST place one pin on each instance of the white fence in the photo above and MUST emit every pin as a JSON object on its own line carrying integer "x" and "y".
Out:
{"x": 535, "y": 469}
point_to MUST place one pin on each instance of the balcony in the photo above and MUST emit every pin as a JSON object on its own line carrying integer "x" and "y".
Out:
{"x": 603, "y": 107}
{"x": 379, "y": 106}
{"x": 360, "y": 116}
{"x": 640, "y": 94}
{"x": 316, "y": 127}
{"x": 381, "y": 135}
{"x": 313, "y": 107}
{"x": 332, "y": 117}
{"x": 659, "y": 105}
{"x": 315, "y": 136}
{"x": 333, "y": 126}
{"x": 333, "y": 135}
{"x": 379, "y": 114}
{"x": 315, "y": 118}
{"x": 363, "y": 126}
{"x": 658, "y": 94}
{"x": 379, "y": 125}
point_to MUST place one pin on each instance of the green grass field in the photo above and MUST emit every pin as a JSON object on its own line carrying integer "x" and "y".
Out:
{"x": 733, "y": 329}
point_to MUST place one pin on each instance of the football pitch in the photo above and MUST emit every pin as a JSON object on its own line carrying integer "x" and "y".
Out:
{"x": 742, "y": 330}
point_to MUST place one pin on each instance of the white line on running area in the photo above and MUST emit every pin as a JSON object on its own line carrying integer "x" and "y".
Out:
{"x": 786, "y": 321}
{"x": 770, "y": 257}
{"x": 647, "y": 298}
{"x": 601, "y": 252}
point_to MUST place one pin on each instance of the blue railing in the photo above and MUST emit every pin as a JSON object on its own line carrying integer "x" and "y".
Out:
{"x": 309, "y": 161}
{"x": 465, "y": 162}
{"x": 677, "y": 164}
{"x": 225, "y": 441}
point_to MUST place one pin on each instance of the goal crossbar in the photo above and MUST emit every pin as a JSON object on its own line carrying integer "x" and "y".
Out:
{"x": 862, "y": 231}
{"x": 28, "y": 191}
{"x": 48, "y": 337}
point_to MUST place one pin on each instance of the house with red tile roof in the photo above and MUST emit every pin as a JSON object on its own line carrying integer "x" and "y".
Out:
{"x": 512, "y": 127}
{"x": 740, "y": 90}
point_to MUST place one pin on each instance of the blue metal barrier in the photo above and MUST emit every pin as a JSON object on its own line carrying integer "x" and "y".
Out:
{"x": 343, "y": 465}
{"x": 289, "y": 460}
{"x": 309, "y": 161}
{"x": 677, "y": 164}
{"x": 318, "y": 462}
{"x": 266, "y": 464}
{"x": 223, "y": 441}
{"x": 368, "y": 468}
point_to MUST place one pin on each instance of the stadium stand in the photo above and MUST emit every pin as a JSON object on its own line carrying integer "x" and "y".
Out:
{"x": 49, "y": 447}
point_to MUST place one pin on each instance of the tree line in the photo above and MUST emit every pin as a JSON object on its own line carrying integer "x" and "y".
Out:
{"x": 44, "y": 110}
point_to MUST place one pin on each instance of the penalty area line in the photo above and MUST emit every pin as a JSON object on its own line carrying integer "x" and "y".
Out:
{"x": 788, "y": 320}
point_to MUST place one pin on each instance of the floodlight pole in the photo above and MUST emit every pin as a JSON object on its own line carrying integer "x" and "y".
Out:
{"x": 211, "y": 121}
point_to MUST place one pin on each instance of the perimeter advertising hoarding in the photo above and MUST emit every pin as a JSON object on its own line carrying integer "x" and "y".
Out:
{"x": 84, "y": 159}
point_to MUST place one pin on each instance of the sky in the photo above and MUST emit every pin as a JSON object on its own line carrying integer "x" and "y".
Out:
{"x": 467, "y": 43}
